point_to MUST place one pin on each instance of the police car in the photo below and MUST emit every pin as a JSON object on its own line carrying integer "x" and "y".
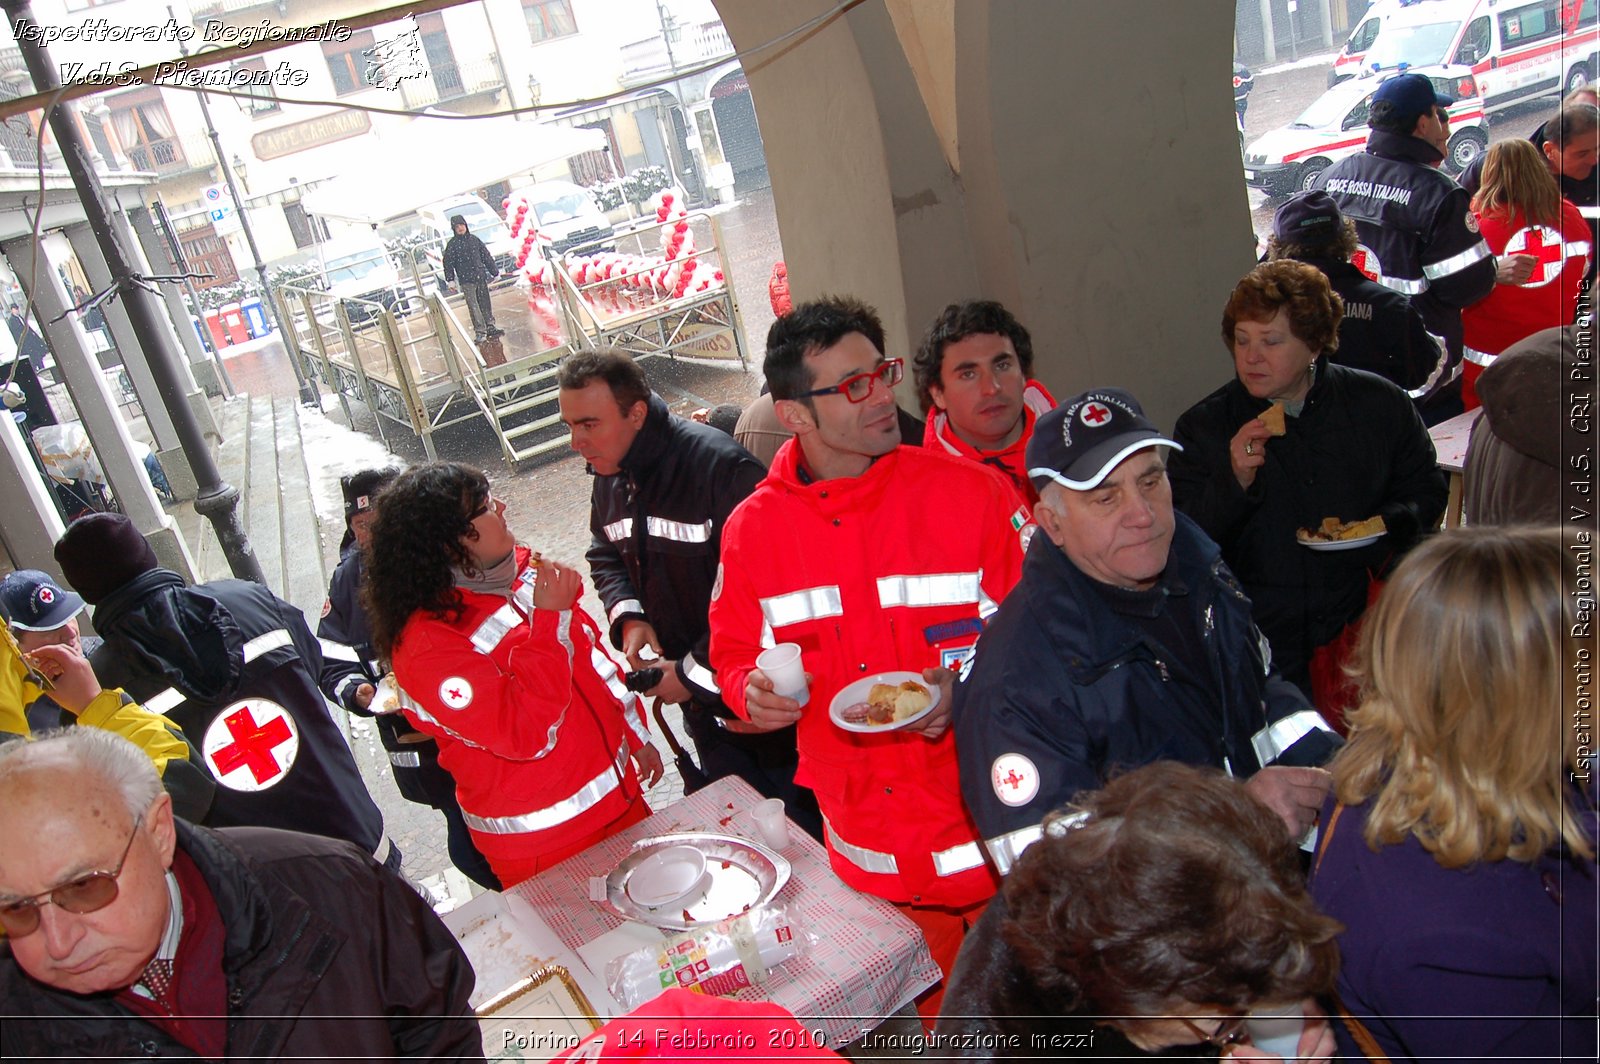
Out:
{"x": 1290, "y": 158}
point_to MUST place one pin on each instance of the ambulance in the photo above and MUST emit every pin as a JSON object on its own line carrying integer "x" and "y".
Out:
{"x": 1499, "y": 53}
{"x": 1290, "y": 158}
{"x": 1347, "y": 64}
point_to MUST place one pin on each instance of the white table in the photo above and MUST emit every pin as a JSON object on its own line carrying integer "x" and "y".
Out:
{"x": 1450, "y": 444}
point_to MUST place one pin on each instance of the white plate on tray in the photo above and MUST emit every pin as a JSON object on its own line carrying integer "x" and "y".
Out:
{"x": 740, "y": 874}
{"x": 1340, "y": 544}
{"x": 853, "y": 693}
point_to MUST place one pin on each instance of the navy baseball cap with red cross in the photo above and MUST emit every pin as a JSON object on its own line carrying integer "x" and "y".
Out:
{"x": 32, "y": 601}
{"x": 1081, "y": 441}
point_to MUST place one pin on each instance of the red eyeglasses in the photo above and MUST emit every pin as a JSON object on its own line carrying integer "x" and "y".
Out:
{"x": 859, "y": 387}
{"x": 86, "y": 894}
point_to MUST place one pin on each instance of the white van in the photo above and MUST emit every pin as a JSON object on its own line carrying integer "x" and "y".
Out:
{"x": 1290, "y": 158}
{"x": 1349, "y": 62}
{"x": 1501, "y": 52}
{"x": 482, "y": 222}
{"x": 568, "y": 214}
{"x": 357, "y": 266}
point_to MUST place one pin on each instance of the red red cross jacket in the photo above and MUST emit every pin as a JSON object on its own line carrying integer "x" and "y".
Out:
{"x": 1036, "y": 400}
{"x": 895, "y": 569}
{"x": 1548, "y": 299}
{"x": 532, "y": 720}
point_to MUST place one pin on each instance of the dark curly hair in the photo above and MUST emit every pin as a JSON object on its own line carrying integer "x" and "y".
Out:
{"x": 1315, "y": 309}
{"x": 416, "y": 540}
{"x": 808, "y": 328}
{"x": 976, "y": 317}
{"x": 1178, "y": 886}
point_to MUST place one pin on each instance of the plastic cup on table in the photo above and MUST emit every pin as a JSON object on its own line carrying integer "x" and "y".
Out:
{"x": 1277, "y": 1030}
{"x": 771, "y": 824}
{"x": 782, "y": 665}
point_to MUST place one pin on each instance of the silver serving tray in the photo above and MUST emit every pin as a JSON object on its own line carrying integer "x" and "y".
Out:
{"x": 744, "y": 874}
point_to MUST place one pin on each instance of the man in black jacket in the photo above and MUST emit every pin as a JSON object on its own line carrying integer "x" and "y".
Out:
{"x": 1127, "y": 641}
{"x": 467, "y": 261}
{"x": 1417, "y": 232}
{"x": 351, "y": 671}
{"x": 663, "y": 488}
{"x": 1381, "y": 332}
{"x": 236, "y": 668}
{"x": 131, "y": 934}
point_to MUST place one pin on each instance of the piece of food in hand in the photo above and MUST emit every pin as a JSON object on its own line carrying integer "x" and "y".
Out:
{"x": 888, "y": 703}
{"x": 537, "y": 561}
{"x": 1272, "y": 417}
{"x": 1333, "y": 530}
{"x": 391, "y": 701}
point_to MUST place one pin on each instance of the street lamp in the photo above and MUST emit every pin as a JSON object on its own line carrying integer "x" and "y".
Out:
{"x": 239, "y": 166}
{"x": 535, "y": 90}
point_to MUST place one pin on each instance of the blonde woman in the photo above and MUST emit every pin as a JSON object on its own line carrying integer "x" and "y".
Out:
{"x": 1520, "y": 211}
{"x": 1458, "y": 850}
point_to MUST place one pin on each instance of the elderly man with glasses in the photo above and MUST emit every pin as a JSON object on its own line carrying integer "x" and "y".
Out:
{"x": 873, "y": 558}
{"x": 130, "y": 932}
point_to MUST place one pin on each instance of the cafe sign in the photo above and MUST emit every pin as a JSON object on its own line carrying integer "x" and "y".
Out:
{"x": 312, "y": 133}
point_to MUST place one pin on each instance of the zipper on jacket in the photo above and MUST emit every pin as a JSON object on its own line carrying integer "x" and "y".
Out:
{"x": 1208, "y": 630}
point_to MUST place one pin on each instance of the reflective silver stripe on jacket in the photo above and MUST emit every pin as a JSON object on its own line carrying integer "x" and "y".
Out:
{"x": 1456, "y": 263}
{"x": 678, "y": 531}
{"x": 1007, "y": 848}
{"x": 630, "y": 702}
{"x": 955, "y": 860}
{"x": 585, "y": 798}
{"x": 405, "y": 759}
{"x": 1400, "y": 284}
{"x": 1478, "y": 358}
{"x": 495, "y": 628}
{"x": 338, "y": 651}
{"x": 170, "y": 699}
{"x": 619, "y": 530}
{"x": 1270, "y": 742}
{"x": 625, "y": 606}
{"x": 958, "y": 859}
{"x": 932, "y": 589}
{"x": 699, "y": 675}
{"x": 808, "y": 604}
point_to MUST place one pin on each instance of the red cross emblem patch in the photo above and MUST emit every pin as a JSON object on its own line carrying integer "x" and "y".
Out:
{"x": 1095, "y": 414}
{"x": 251, "y": 745}
{"x": 1545, "y": 245}
{"x": 1364, "y": 260}
{"x": 1015, "y": 779}
{"x": 47, "y": 595}
{"x": 455, "y": 693}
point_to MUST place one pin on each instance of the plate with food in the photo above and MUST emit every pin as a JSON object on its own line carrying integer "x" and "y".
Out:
{"x": 883, "y": 702}
{"x": 1334, "y": 534}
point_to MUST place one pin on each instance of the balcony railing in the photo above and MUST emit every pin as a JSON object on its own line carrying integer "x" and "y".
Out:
{"x": 452, "y": 81}
{"x": 691, "y": 45}
{"x": 171, "y": 155}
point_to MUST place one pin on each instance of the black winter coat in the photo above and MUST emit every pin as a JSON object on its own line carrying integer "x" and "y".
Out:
{"x": 1080, "y": 691}
{"x": 1357, "y": 449}
{"x": 1381, "y": 332}
{"x": 236, "y": 668}
{"x": 327, "y": 956}
{"x": 657, "y": 529}
{"x": 467, "y": 259}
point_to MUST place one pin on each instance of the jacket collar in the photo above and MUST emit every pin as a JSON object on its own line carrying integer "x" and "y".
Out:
{"x": 1387, "y": 145}
{"x": 1078, "y": 619}
{"x": 183, "y": 634}
{"x": 651, "y": 442}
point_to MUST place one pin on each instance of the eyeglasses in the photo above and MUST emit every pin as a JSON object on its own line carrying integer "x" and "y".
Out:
{"x": 489, "y": 503}
{"x": 86, "y": 894}
{"x": 859, "y": 387}
{"x": 1228, "y": 1030}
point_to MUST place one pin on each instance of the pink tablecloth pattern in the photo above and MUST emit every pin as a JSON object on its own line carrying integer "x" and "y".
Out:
{"x": 867, "y": 963}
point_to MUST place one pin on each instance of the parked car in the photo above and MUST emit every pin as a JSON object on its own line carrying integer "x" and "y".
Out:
{"x": 1290, "y": 158}
{"x": 482, "y": 222}
{"x": 569, "y": 215}
{"x": 358, "y": 270}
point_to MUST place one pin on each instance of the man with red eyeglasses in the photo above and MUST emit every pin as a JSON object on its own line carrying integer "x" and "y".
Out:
{"x": 131, "y": 933}
{"x": 873, "y": 557}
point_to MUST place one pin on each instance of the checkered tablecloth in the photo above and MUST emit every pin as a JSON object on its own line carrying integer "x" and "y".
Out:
{"x": 868, "y": 960}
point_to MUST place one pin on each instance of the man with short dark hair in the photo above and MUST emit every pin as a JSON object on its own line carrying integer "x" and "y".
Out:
{"x": 1127, "y": 641}
{"x": 1417, "y": 232}
{"x": 663, "y": 490}
{"x": 132, "y": 934}
{"x": 1380, "y": 332}
{"x": 467, "y": 261}
{"x": 873, "y": 558}
{"x": 974, "y": 377}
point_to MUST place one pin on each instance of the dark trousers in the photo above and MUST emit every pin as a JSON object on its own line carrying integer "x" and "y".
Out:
{"x": 478, "y": 306}
{"x": 765, "y": 760}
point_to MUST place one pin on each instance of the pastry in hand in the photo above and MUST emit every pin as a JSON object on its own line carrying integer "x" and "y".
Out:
{"x": 1272, "y": 417}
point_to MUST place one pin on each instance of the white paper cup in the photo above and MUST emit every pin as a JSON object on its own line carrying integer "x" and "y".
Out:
{"x": 770, "y": 822}
{"x": 1277, "y": 1030}
{"x": 783, "y": 667}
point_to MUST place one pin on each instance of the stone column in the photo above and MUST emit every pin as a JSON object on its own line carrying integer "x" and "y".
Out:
{"x": 154, "y": 248}
{"x": 80, "y": 372}
{"x": 32, "y": 524}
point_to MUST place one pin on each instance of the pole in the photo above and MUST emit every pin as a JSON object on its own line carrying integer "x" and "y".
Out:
{"x": 308, "y": 394}
{"x": 181, "y": 263}
{"x": 216, "y": 500}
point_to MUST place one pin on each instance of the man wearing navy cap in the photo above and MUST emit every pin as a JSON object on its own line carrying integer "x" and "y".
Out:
{"x": 1417, "y": 232}
{"x": 41, "y": 613}
{"x": 1127, "y": 641}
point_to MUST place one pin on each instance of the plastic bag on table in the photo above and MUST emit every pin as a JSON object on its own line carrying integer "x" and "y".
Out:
{"x": 715, "y": 959}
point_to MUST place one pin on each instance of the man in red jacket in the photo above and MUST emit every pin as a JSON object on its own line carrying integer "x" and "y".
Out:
{"x": 873, "y": 557}
{"x": 974, "y": 376}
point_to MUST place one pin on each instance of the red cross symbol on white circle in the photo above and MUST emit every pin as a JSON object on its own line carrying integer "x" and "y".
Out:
{"x": 251, "y": 745}
{"x": 1544, "y": 244}
{"x": 1364, "y": 260}
{"x": 1095, "y": 413}
{"x": 1015, "y": 779}
{"x": 456, "y": 693}
{"x": 46, "y": 595}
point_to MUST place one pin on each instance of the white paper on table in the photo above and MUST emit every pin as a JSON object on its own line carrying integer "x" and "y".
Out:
{"x": 506, "y": 940}
{"x": 617, "y": 942}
